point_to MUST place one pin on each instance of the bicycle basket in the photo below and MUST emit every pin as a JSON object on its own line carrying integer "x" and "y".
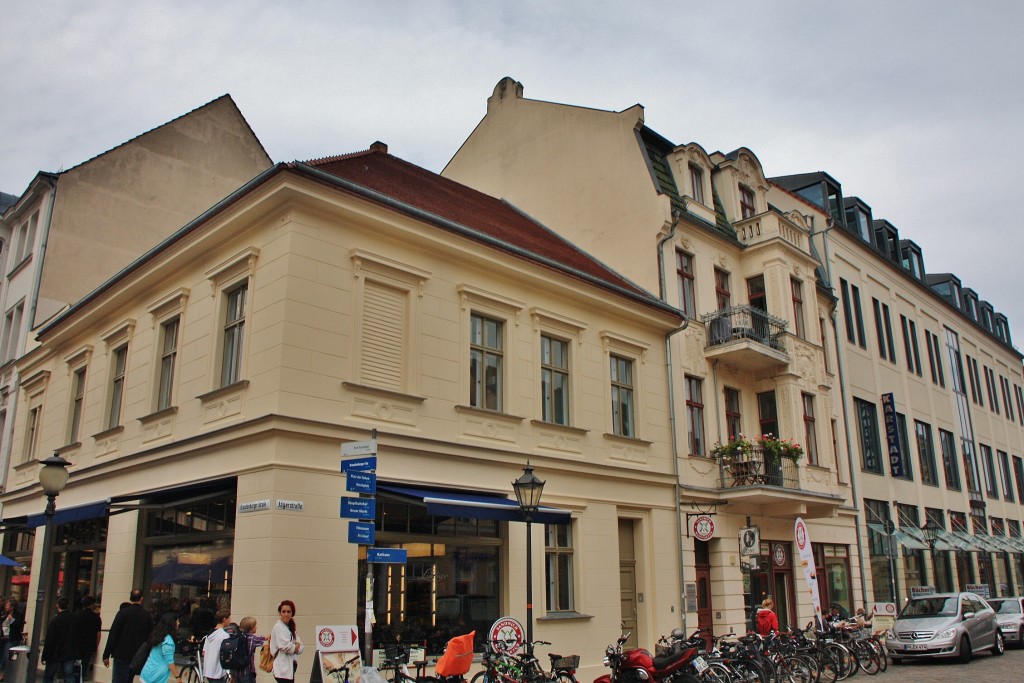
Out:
{"x": 567, "y": 662}
{"x": 397, "y": 654}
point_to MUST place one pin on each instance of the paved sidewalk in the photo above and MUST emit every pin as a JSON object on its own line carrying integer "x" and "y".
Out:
{"x": 984, "y": 668}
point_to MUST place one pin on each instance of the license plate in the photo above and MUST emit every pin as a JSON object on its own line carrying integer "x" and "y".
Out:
{"x": 912, "y": 648}
{"x": 699, "y": 664}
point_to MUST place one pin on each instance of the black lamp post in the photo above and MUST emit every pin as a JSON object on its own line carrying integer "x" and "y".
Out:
{"x": 52, "y": 476}
{"x": 528, "y": 490}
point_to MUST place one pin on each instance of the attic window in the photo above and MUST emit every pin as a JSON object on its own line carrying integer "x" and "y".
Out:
{"x": 697, "y": 183}
{"x": 747, "y": 209}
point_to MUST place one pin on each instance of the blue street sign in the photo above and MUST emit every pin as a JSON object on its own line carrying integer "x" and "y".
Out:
{"x": 361, "y": 482}
{"x": 387, "y": 555}
{"x": 359, "y": 464}
{"x": 358, "y": 508}
{"x": 362, "y": 533}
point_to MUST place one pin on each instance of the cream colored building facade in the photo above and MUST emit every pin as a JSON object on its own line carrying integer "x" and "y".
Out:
{"x": 756, "y": 357}
{"x": 946, "y": 358}
{"x": 322, "y": 301}
{"x": 71, "y": 230}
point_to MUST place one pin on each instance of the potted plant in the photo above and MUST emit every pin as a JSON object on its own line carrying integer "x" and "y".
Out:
{"x": 739, "y": 448}
{"x": 776, "y": 448}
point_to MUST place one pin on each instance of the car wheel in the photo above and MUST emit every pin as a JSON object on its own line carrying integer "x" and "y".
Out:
{"x": 1000, "y": 645}
{"x": 965, "y": 650}
{"x": 895, "y": 661}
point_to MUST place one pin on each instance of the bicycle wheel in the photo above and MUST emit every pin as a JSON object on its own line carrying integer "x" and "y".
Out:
{"x": 565, "y": 677}
{"x": 717, "y": 672}
{"x": 867, "y": 658}
{"x": 828, "y": 668}
{"x": 846, "y": 665}
{"x": 748, "y": 671}
{"x": 484, "y": 676}
{"x": 191, "y": 675}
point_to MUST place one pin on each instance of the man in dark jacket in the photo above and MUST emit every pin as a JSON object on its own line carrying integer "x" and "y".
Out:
{"x": 87, "y": 626}
{"x": 61, "y": 647}
{"x": 130, "y": 628}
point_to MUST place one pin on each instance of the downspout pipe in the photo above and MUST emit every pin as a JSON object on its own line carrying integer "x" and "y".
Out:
{"x": 677, "y": 215}
{"x": 846, "y": 417}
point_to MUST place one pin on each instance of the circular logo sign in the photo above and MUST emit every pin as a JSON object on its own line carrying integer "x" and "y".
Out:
{"x": 506, "y": 635}
{"x": 326, "y": 637}
{"x": 703, "y": 528}
{"x": 801, "y": 534}
{"x": 779, "y": 554}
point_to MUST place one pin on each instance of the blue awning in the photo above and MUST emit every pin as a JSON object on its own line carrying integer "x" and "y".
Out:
{"x": 476, "y": 505}
{"x": 75, "y": 514}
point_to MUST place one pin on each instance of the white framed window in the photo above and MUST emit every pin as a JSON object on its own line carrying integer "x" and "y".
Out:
{"x": 554, "y": 379}
{"x": 622, "y": 387}
{"x": 559, "y": 572}
{"x": 169, "y": 332}
{"x": 233, "y": 334}
{"x": 486, "y": 362}
{"x": 12, "y": 332}
{"x": 77, "y": 405}
{"x": 118, "y": 368}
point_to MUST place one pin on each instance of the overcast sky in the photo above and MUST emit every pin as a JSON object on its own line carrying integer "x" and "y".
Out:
{"x": 916, "y": 107}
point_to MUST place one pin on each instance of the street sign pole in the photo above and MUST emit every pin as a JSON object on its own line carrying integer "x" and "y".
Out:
{"x": 368, "y": 581}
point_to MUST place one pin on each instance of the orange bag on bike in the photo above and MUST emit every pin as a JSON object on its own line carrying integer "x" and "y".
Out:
{"x": 457, "y": 657}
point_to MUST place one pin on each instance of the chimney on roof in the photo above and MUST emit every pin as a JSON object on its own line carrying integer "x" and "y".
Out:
{"x": 379, "y": 147}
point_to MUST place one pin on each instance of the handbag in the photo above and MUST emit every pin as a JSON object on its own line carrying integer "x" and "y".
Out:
{"x": 140, "y": 658}
{"x": 266, "y": 658}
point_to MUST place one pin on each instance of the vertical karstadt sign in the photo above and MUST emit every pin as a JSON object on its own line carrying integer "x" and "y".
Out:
{"x": 892, "y": 435}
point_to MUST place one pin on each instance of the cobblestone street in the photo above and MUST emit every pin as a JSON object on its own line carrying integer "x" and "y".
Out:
{"x": 984, "y": 668}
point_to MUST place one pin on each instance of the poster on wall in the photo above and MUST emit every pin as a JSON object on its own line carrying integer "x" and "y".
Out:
{"x": 337, "y": 655}
{"x": 803, "y": 544}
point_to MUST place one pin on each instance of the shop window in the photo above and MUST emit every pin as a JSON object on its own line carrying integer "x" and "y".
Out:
{"x": 558, "y": 554}
{"x": 450, "y": 585}
{"x": 189, "y": 552}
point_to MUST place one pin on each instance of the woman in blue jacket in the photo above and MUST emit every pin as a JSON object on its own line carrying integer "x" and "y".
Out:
{"x": 160, "y": 666}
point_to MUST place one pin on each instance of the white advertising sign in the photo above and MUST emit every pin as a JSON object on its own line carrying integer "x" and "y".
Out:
{"x": 803, "y": 544}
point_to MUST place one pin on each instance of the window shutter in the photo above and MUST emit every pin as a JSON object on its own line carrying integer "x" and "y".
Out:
{"x": 383, "y": 333}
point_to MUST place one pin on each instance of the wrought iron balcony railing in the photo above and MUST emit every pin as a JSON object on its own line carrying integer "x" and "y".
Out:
{"x": 759, "y": 468}
{"x": 745, "y": 322}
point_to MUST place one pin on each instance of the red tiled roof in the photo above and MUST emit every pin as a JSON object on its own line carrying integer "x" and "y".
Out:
{"x": 377, "y": 170}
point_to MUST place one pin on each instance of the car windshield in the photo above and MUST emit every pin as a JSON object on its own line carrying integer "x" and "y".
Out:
{"x": 1006, "y": 606}
{"x": 931, "y": 607}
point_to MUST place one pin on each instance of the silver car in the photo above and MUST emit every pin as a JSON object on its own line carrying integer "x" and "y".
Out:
{"x": 945, "y": 625}
{"x": 1010, "y": 615}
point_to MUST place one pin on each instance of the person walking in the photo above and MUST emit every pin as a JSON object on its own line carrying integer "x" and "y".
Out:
{"x": 87, "y": 625}
{"x": 60, "y": 649}
{"x": 160, "y": 664}
{"x": 131, "y": 627}
{"x": 11, "y": 627}
{"x": 285, "y": 644}
{"x": 213, "y": 672}
{"x": 767, "y": 621}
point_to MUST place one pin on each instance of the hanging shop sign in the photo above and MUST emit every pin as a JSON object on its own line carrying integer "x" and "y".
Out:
{"x": 703, "y": 527}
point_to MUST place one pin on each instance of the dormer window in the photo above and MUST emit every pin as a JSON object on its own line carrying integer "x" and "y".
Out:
{"x": 911, "y": 259}
{"x": 986, "y": 316}
{"x": 747, "y": 209}
{"x": 697, "y": 183}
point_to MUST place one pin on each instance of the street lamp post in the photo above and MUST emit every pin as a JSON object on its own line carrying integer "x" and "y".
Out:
{"x": 529, "y": 488}
{"x": 53, "y": 476}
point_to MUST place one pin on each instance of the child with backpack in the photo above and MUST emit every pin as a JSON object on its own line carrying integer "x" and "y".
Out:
{"x": 247, "y": 673}
{"x": 216, "y": 647}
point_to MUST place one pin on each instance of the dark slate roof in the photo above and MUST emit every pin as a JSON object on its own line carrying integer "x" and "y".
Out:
{"x": 500, "y": 223}
{"x": 799, "y": 181}
{"x": 6, "y": 201}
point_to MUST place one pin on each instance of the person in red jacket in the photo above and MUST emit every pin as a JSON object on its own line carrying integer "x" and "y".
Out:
{"x": 767, "y": 622}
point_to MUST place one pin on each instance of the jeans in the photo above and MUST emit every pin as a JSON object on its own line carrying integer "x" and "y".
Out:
{"x": 122, "y": 671}
{"x": 68, "y": 665}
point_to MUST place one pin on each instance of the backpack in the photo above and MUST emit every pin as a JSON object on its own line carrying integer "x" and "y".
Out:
{"x": 140, "y": 658}
{"x": 764, "y": 622}
{"x": 266, "y": 658}
{"x": 234, "y": 650}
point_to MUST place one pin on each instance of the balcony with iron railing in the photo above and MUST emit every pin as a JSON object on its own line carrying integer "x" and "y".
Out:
{"x": 746, "y": 336}
{"x": 755, "y": 477}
